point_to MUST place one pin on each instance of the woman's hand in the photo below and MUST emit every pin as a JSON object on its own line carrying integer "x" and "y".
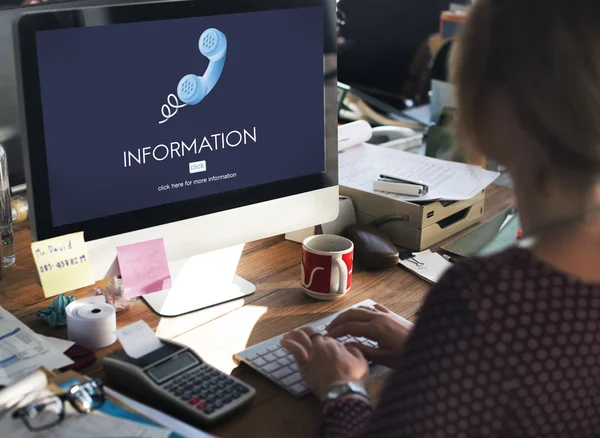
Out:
{"x": 377, "y": 324}
{"x": 323, "y": 361}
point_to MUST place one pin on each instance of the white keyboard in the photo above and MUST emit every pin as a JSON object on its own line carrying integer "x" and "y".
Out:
{"x": 273, "y": 361}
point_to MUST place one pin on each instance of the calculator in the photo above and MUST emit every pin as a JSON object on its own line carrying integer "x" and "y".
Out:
{"x": 177, "y": 381}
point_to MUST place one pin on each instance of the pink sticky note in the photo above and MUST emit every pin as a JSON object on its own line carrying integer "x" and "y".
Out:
{"x": 144, "y": 267}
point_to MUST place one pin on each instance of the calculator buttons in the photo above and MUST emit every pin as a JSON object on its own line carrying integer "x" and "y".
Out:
{"x": 208, "y": 390}
{"x": 241, "y": 388}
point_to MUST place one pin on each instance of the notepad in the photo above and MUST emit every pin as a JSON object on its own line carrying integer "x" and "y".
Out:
{"x": 144, "y": 267}
{"x": 428, "y": 265}
{"x": 63, "y": 263}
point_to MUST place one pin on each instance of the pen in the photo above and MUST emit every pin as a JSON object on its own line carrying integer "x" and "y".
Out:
{"x": 447, "y": 257}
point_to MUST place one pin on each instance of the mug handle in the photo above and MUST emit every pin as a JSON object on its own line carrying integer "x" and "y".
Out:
{"x": 343, "y": 276}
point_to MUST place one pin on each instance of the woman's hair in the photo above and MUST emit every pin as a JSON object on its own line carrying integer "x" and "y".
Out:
{"x": 544, "y": 56}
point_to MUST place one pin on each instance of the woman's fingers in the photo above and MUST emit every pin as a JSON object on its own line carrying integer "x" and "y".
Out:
{"x": 371, "y": 353}
{"x": 354, "y": 351}
{"x": 299, "y": 343}
{"x": 297, "y": 350}
{"x": 357, "y": 314}
{"x": 359, "y": 329}
{"x": 301, "y": 337}
{"x": 382, "y": 308}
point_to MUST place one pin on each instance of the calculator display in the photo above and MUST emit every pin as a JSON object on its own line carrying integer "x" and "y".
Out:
{"x": 162, "y": 372}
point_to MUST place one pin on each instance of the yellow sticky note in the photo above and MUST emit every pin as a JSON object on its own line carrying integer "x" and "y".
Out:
{"x": 63, "y": 263}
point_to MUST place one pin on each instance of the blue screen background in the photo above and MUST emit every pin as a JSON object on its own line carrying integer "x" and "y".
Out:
{"x": 103, "y": 88}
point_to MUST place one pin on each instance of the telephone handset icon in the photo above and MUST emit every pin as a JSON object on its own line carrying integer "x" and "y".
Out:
{"x": 192, "y": 88}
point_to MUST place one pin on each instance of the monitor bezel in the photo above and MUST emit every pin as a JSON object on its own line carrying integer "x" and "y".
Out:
{"x": 32, "y": 123}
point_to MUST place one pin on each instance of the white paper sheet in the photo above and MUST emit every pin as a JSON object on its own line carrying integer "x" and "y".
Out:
{"x": 13, "y": 394}
{"x": 429, "y": 265}
{"x": 159, "y": 417}
{"x": 138, "y": 339}
{"x": 353, "y": 133}
{"x": 94, "y": 425}
{"x": 60, "y": 344}
{"x": 22, "y": 351}
{"x": 360, "y": 165}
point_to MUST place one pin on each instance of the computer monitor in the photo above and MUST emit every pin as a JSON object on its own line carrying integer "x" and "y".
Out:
{"x": 10, "y": 137}
{"x": 208, "y": 124}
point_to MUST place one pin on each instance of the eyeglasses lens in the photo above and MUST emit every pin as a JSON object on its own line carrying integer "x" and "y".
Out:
{"x": 43, "y": 413}
{"x": 88, "y": 396}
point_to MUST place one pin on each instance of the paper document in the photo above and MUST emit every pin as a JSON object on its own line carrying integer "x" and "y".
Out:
{"x": 138, "y": 339}
{"x": 360, "y": 165}
{"x": 22, "y": 351}
{"x": 93, "y": 425}
{"x": 353, "y": 133}
{"x": 60, "y": 344}
{"x": 63, "y": 263}
{"x": 13, "y": 394}
{"x": 159, "y": 417}
{"x": 428, "y": 265}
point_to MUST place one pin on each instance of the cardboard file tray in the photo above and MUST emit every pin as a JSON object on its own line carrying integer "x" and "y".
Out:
{"x": 427, "y": 223}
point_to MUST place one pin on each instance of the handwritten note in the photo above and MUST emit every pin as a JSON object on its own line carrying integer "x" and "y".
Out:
{"x": 144, "y": 267}
{"x": 63, "y": 263}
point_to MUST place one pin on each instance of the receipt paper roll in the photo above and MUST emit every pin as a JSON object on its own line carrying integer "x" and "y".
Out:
{"x": 91, "y": 322}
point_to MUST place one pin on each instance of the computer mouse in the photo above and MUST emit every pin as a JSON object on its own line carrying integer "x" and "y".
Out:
{"x": 373, "y": 250}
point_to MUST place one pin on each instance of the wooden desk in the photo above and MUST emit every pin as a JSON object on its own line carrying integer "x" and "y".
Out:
{"x": 278, "y": 305}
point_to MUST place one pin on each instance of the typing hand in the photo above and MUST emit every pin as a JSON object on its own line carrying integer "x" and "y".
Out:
{"x": 323, "y": 361}
{"x": 377, "y": 324}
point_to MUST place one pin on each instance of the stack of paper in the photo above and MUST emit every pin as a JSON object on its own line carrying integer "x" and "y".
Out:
{"x": 22, "y": 351}
{"x": 428, "y": 265}
{"x": 360, "y": 165}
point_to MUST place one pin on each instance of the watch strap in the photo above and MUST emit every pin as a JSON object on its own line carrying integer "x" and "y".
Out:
{"x": 339, "y": 390}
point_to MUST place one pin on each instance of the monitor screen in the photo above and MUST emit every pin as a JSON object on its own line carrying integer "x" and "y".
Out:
{"x": 145, "y": 114}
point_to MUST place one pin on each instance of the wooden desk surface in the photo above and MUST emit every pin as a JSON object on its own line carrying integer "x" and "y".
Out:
{"x": 278, "y": 305}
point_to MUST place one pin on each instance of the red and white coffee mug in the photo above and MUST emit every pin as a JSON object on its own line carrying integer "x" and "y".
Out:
{"x": 327, "y": 266}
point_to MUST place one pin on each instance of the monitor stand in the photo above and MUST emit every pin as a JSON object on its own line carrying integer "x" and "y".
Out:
{"x": 201, "y": 281}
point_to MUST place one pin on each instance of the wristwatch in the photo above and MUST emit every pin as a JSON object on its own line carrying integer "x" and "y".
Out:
{"x": 339, "y": 390}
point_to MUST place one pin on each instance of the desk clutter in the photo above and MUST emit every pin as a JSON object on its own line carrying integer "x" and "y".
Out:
{"x": 22, "y": 351}
{"x": 68, "y": 405}
{"x": 170, "y": 374}
{"x": 391, "y": 198}
{"x": 185, "y": 385}
{"x": 64, "y": 264}
{"x": 437, "y": 198}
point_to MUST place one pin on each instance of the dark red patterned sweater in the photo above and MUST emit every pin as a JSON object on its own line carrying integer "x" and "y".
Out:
{"x": 504, "y": 346}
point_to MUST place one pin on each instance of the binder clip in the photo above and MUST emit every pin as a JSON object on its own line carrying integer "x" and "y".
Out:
{"x": 410, "y": 257}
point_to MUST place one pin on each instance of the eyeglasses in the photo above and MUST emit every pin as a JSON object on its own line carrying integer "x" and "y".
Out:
{"x": 48, "y": 411}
